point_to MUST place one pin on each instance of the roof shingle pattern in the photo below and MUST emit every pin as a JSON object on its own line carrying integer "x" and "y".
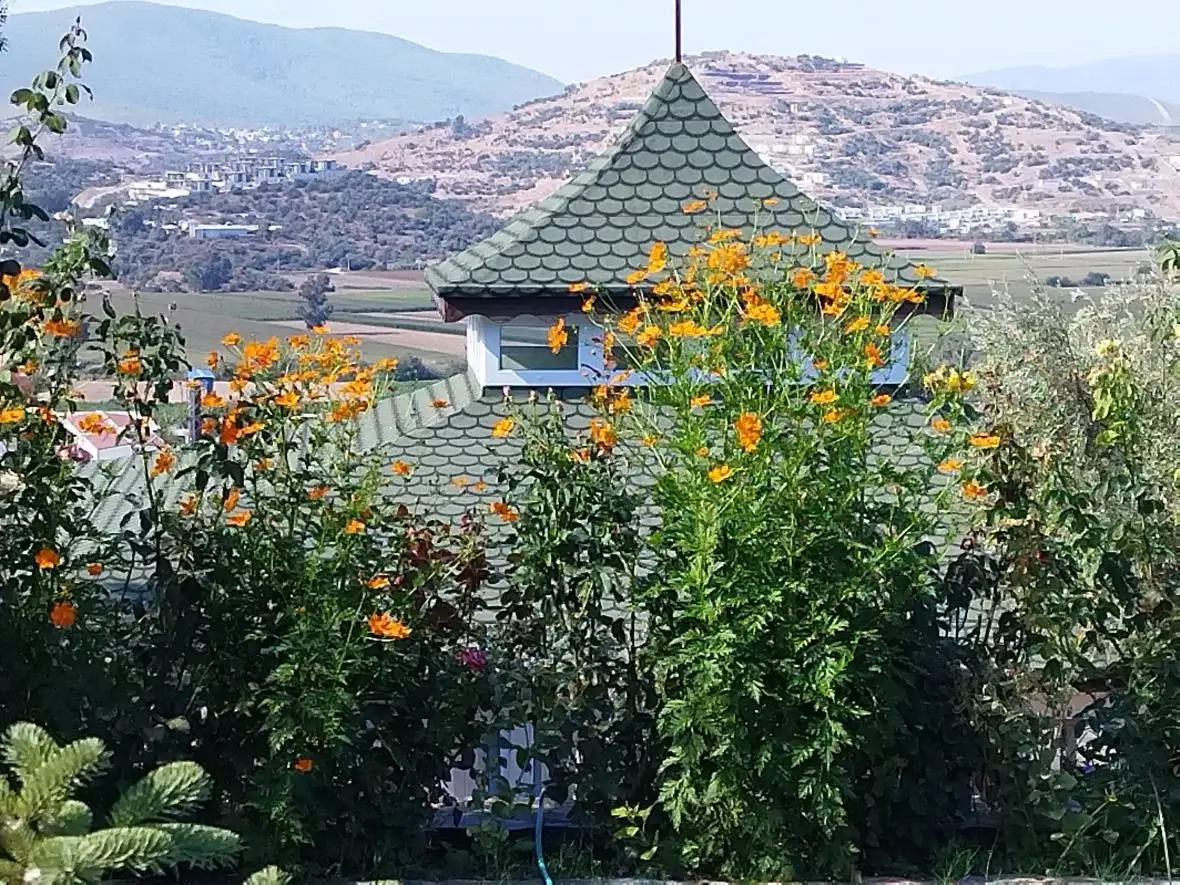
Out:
{"x": 599, "y": 226}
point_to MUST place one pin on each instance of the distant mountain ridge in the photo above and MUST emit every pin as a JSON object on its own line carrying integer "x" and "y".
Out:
{"x": 168, "y": 64}
{"x": 846, "y": 133}
{"x": 1137, "y": 109}
{"x": 1136, "y": 89}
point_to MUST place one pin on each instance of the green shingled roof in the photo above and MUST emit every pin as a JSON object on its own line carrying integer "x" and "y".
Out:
{"x": 599, "y": 226}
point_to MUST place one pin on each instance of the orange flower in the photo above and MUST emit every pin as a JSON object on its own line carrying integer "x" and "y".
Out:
{"x": 384, "y": 626}
{"x": 63, "y": 328}
{"x": 388, "y": 364}
{"x": 401, "y": 468}
{"x": 857, "y": 325}
{"x": 164, "y": 461}
{"x": 811, "y": 239}
{"x": 503, "y": 427}
{"x": 802, "y": 277}
{"x": 973, "y": 490}
{"x": 588, "y": 304}
{"x": 354, "y": 527}
{"x": 635, "y": 277}
{"x": 882, "y": 329}
{"x": 316, "y": 493}
{"x": 232, "y": 339}
{"x": 188, "y": 505}
{"x": 629, "y": 322}
{"x": 764, "y": 313}
{"x": 46, "y": 558}
{"x": 94, "y": 569}
{"x": 831, "y": 416}
{"x": 940, "y": 425}
{"x": 575, "y": 288}
{"x": 720, "y": 473}
{"x": 950, "y": 465}
{"x": 649, "y": 440}
{"x": 648, "y": 336}
{"x": 580, "y": 456}
{"x": 377, "y": 582}
{"x": 657, "y": 257}
{"x": 440, "y": 403}
{"x": 770, "y": 201}
{"x": 881, "y": 399}
{"x": 231, "y": 499}
{"x": 212, "y": 359}
{"x": 602, "y": 434}
{"x": 924, "y": 271}
{"x": 239, "y": 519}
{"x": 823, "y": 397}
{"x": 819, "y": 364}
{"x": 984, "y": 440}
{"x": 263, "y": 464}
{"x": 479, "y": 486}
{"x": 873, "y": 355}
{"x": 460, "y": 482}
{"x": 693, "y": 206}
{"x": 129, "y": 365}
{"x": 91, "y": 423}
{"x": 748, "y": 427}
{"x": 503, "y": 511}
{"x": 557, "y": 336}
{"x": 303, "y": 765}
{"x": 701, "y": 399}
{"x": 11, "y": 416}
{"x": 288, "y": 400}
{"x": 63, "y": 615}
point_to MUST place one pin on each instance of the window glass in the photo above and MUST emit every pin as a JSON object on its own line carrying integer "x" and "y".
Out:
{"x": 524, "y": 347}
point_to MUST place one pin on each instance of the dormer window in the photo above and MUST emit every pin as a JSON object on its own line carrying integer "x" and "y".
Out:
{"x": 517, "y": 353}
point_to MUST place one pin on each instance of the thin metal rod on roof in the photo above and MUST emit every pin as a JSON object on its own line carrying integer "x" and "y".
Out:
{"x": 678, "y": 32}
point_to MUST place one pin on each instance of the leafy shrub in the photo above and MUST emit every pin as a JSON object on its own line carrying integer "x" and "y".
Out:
{"x": 1079, "y": 542}
{"x": 789, "y": 603}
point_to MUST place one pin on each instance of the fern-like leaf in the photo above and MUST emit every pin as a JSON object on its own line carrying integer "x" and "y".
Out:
{"x": 167, "y": 793}
{"x": 91, "y": 856}
{"x": 199, "y": 845}
{"x": 11, "y": 872}
{"x": 269, "y": 876}
{"x": 56, "y": 861}
{"x": 74, "y": 818}
{"x": 48, "y": 785}
{"x": 27, "y": 747}
{"x": 7, "y": 798}
{"x": 17, "y": 840}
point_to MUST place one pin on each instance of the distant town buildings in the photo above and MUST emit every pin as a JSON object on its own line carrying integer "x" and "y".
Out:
{"x": 244, "y": 173}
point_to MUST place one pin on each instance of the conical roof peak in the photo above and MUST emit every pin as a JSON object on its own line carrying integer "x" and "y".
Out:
{"x": 679, "y": 149}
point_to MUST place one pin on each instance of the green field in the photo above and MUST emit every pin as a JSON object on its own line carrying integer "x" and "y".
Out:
{"x": 205, "y": 318}
{"x": 980, "y": 275}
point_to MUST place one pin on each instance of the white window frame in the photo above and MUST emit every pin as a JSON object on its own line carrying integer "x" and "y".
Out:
{"x": 483, "y": 358}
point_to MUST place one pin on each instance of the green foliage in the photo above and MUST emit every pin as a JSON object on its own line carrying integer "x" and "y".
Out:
{"x": 1078, "y": 559}
{"x": 351, "y": 220}
{"x": 47, "y": 836}
{"x": 568, "y": 610}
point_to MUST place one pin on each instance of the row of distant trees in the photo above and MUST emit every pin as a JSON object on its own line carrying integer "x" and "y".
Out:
{"x": 353, "y": 220}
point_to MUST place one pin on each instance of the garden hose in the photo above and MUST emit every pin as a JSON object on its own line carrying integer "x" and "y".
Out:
{"x": 538, "y": 821}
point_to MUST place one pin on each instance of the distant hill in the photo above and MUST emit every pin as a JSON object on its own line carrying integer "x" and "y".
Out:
{"x": 166, "y": 64}
{"x": 846, "y": 133}
{"x": 1135, "y": 78}
{"x": 1113, "y": 106}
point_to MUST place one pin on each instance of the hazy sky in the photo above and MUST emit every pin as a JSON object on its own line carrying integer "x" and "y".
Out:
{"x": 579, "y": 39}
